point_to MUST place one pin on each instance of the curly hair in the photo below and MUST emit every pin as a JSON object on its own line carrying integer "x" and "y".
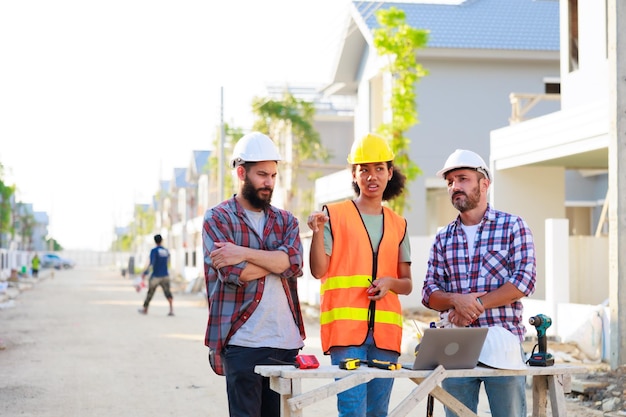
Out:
{"x": 394, "y": 188}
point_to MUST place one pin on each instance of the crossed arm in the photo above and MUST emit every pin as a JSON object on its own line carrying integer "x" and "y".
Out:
{"x": 259, "y": 262}
{"x": 227, "y": 249}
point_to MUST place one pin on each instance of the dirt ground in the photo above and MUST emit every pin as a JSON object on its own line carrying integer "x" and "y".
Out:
{"x": 74, "y": 345}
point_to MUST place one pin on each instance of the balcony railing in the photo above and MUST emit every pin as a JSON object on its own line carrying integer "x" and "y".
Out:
{"x": 521, "y": 103}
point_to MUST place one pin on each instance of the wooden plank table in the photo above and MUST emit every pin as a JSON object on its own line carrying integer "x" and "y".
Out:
{"x": 547, "y": 382}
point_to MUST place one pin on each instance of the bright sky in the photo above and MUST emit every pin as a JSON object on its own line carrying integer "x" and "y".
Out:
{"x": 99, "y": 100}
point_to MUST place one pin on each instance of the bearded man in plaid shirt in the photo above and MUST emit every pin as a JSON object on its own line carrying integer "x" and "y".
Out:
{"x": 253, "y": 257}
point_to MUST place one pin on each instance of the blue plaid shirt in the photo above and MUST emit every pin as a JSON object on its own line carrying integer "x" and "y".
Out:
{"x": 231, "y": 301}
{"x": 504, "y": 252}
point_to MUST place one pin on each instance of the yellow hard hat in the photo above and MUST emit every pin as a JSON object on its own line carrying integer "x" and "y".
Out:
{"x": 370, "y": 148}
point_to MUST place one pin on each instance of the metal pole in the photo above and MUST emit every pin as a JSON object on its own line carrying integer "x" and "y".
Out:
{"x": 616, "y": 13}
{"x": 220, "y": 150}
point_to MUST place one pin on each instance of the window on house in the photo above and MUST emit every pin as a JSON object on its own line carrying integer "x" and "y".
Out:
{"x": 194, "y": 261}
{"x": 572, "y": 9}
{"x": 552, "y": 86}
{"x": 186, "y": 258}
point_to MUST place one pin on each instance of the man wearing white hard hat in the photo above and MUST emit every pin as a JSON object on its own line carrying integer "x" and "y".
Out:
{"x": 479, "y": 268}
{"x": 252, "y": 259}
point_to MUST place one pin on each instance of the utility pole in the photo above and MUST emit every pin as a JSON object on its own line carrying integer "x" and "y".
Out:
{"x": 616, "y": 15}
{"x": 220, "y": 150}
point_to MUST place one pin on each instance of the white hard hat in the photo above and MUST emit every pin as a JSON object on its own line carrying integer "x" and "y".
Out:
{"x": 462, "y": 158}
{"x": 254, "y": 147}
{"x": 502, "y": 350}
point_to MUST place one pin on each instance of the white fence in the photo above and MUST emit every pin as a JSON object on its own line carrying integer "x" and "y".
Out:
{"x": 20, "y": 261}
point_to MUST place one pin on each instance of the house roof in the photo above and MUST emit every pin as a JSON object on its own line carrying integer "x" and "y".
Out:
{"x": 527, "y": 26}
{"x": 41, "y": 217}
{"x": 164, "y": 186}
{"x": 479, "y": 24}
{"x": 180, "y": 178}
{"x": 201, "y": 161}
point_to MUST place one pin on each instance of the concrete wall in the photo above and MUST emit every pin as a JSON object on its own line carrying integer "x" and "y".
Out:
{"x": 589, "y": 269}
{"x": 515, "y": 191}
{"x": 588, "y": 82}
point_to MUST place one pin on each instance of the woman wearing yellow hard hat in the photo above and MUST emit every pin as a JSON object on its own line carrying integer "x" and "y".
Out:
{"x": 361, "y": 253}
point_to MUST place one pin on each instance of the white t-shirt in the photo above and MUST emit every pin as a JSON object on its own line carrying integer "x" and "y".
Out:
{"x": 272, "y": 324}
{"x": 470, "y": 232}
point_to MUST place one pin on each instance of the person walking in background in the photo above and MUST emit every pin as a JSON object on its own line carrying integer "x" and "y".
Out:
{"x": 34, "y": 265}
{"x": 159, "y": 259}
{"x": 361, "y": 253}
{"x": 479, "y": 268}
{"x": 252, "y": 259}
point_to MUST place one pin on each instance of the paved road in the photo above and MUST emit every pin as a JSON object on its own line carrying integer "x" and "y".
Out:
{"x": 74, "y": 345}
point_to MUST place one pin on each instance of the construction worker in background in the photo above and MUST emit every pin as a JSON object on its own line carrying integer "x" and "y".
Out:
{"x": 160, "y": 277}
{"x": 480, "y": 266}
{"x": 361, "y": 253}
{"x": 34, "y": 265}
{"x": 253, "y": 257}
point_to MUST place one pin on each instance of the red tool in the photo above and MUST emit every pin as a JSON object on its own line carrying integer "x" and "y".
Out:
{"x": 307, "y": 362}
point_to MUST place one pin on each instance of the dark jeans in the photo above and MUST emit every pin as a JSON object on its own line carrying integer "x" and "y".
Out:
{"x": 249, "y": 394}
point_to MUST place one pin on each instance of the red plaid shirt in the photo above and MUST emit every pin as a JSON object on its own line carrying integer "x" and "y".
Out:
{"x": 230, "y": 300}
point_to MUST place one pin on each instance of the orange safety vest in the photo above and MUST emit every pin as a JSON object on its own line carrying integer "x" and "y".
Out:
{"x": 344, "y": 305}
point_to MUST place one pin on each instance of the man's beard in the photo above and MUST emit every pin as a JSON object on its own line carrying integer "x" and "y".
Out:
{"x": 468, "y": 203}
{"x": 252, "y": 195}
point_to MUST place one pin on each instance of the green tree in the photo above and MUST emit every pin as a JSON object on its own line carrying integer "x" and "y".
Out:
{"x": 53, "y": 245}
{"x": 6, "y": 214}
{"x": 142, "y": 224}
{"x": 289, "y": 122}
{"x": 400, "y": 43}
{"x": 123, "y": 243}
{"x": 145, "y": 219}
{"x": 24, "y": 224}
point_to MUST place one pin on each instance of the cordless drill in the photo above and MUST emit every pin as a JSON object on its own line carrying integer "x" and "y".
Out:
{"x": 542, "y": 357}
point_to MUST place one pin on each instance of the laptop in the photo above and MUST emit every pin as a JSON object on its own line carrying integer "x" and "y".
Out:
{"x": 453, "y": 348}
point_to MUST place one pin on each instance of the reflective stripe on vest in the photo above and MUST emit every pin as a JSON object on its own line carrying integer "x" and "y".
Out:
{"x": 343, "y": 295}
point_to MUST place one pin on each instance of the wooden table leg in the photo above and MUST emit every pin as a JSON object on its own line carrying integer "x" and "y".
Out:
{"x": 557, "y": 395}
{"x": 540, "y": 398}
{"x": 555, "y": 386}
{"x": 286, "y": 388}
{"x": 297, "y": 402}
{"x": 296, "y": 389}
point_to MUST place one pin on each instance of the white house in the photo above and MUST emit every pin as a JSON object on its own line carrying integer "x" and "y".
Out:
{"x": 478, "y": 53}
{"x": 560, "y": 170}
